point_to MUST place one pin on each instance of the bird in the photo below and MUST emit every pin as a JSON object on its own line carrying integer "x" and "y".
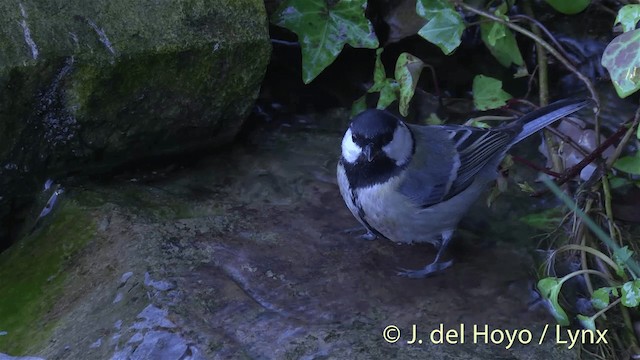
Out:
{"x": 413, "y": 183}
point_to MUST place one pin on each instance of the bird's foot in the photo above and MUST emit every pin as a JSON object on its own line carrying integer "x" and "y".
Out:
{"x": 368, "y": 235}
{"x": 429, "y": 270}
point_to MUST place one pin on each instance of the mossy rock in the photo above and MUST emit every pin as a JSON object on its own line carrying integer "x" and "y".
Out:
{"x": 91, "y": 84}
{"x": 33, "y": 272}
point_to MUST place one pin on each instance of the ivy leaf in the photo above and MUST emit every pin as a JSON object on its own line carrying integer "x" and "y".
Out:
{"x": 587, "y": 322}
{"x": 544, "y": 220}
{"x": 379, "y": 75}
{"x": 629, "y": 164}
{"x": 388, "y": 88}
{"x": 616, "y": 181}
{"x": 569, "y": 7}
{"x": 628, "y": 16}
{"x": 408, "y": 69}
{"x": 631, "y": 293}
{"x": 550, "y": 290}
{"x": 324, "y": 30}
{"x": 488, "y": 93}
{"x": 621, "y": 256}
{"x": 622, "y": 58}
{"x": 388, "y": 94}
{"x": 445, "y": 25}
{"x": 501, "y": 41}
{"x": 600, "y": 298}
{"x": 526, "y": 187}
{"x": 358, "y": 106}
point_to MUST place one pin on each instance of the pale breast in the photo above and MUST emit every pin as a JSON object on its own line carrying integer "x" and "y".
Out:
{"x": 395, "y": 217}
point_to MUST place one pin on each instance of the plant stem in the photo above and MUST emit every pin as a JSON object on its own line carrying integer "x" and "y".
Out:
{"x": 618, "y": 300}
{"x": 590, "y": 250}
{"x": 632, "y": 265}
{"x": 624, "y": 140}
{"x": 575, "y": 170}
{"x": 581, "y": 272}
{"x": 543, "y": 73}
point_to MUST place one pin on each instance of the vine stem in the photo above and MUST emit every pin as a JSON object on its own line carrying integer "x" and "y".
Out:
{"x": 606, "y": 187}
{"x": 590, "y": 250}
{"x": 601, "y": 312}
{"x": 582, "y": 272}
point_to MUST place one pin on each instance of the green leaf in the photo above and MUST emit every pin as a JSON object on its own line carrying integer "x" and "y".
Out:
{"x": 433, "y": 119}
{"x": 550, "y": 290}
{"x": 388, "y": 88}
{"x": 388, "y": 94}
{"x": 621, "y": 256}
{"x": 445, "y": 25}
{"x": 631, "y": 293}
{"x": 526, "y": 187}
{"x": 408, "y": 69}
{"x": 323, "y": 31}
{"x": 501, "y": 41}
{"x": 429, "y": 9}
{"x": 587, "y": 322}
{"x": 628, "y": 16}
{"x": 629, "y": 164}
{"x": 600, "y": 298}
{"x": 358, "y": 106}
{"x": 622, "y": 59}
{"x": 544, "y": 220}
{"x": 569, "y": 7}
{"x": 477, "y": 123}
{"x": 379, "y": 75}
{"x": 488, "y": 93}
{"x": 616, "y": 182}
{"x": 496, "y": 31}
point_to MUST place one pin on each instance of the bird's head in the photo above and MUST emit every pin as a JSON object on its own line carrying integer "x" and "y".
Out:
{"x": 376, "y": 135}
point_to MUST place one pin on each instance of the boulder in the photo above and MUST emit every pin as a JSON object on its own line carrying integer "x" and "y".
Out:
{"x": 90, "y": 84}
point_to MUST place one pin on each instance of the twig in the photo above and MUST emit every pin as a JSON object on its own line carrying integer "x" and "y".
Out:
{"x": 568, "y": 140}
{"x": 535, "y": 166}
{"x": 545, "y": 30}
{"x": 574, "y": 170}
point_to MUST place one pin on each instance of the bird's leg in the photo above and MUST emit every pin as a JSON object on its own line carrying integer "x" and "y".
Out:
{"x": 368, "y": 235}
{"x": 436, "y": 266}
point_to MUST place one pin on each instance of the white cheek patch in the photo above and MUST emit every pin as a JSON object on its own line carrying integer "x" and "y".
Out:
{"x": 401, "y": 146}
{"x": 350, "y": 150}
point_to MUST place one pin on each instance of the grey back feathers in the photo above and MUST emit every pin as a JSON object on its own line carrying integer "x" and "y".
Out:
{"x": 442, "y": 160}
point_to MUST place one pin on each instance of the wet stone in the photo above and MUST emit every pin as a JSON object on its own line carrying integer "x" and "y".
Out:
{"x": 252, "y": 244}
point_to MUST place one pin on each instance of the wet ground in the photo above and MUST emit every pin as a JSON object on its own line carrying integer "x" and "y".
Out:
{"x": 243, "y": 255}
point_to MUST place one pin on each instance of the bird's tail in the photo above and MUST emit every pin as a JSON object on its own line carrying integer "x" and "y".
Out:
{"x": 544, "y": 116}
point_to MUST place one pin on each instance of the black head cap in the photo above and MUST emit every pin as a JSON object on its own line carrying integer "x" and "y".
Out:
{"x": 373, "y": 124}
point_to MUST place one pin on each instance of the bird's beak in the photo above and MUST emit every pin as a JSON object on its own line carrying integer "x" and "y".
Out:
{"x": 369, "y": 152}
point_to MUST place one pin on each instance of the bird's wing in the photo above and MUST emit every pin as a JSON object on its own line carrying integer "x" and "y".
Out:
{"x": 448, "y": 158}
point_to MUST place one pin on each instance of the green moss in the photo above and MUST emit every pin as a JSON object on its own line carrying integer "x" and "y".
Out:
{"x": 32, "y": 276}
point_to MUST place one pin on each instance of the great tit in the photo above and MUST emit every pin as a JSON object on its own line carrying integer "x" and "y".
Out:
{"x": 412, "y": 183}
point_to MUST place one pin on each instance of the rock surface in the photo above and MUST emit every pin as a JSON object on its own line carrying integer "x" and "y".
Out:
{"x": 244, "y": 256}
{"x": 91, "y": 84}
